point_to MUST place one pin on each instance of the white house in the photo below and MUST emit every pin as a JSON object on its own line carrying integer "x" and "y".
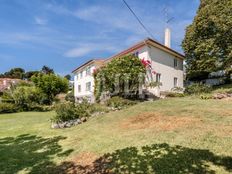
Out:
{"x": 84, "y": 81}
{"x": 167, "y": 63}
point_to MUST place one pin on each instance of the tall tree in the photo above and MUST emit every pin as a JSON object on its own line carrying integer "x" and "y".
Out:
{"x": 47, "y": 70}
{"x": 29, "y": 74}
{"x": 50, "y": 84}
{"x": 68, "y": 77}
{"x": 208, "y": 40}
{"x": 16, "y": 73}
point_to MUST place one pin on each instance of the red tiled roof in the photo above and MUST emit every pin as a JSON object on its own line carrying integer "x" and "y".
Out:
{"x": 147, "y": 41}
{"x": 5, "y": 83}
{"x": 88, "y": 63}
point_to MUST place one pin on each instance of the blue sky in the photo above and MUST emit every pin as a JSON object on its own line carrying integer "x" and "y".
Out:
{"x": 65, "y": 33}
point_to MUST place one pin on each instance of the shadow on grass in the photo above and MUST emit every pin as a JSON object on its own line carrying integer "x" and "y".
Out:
{"x": 30, "y": 153}
{"x": 157, "y": 158}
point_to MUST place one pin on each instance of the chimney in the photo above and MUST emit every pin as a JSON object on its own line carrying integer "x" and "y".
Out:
{"x": 167, "y": 38}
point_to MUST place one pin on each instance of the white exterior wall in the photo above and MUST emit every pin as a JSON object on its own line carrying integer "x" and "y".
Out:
{"x": 163, "y": 63}
{"x": 82, "y": 81}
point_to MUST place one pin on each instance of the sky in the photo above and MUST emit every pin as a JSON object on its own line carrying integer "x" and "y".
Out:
{"x": 64, "y": 34}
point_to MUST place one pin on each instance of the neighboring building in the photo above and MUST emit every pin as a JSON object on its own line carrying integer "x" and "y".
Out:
{"x": 84, "y": 81}
{"x": 167, "y": 63}
{"x": 6, "y": 83}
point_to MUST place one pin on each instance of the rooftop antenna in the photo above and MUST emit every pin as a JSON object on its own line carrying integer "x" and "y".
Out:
{"x": 167, "y": 37}
{"x": 167, "y": 18}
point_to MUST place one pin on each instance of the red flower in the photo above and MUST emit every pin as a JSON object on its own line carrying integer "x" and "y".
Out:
{"x": 146, "y": 62}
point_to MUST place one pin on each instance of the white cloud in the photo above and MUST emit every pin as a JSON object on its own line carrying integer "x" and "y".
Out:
{"x": 40, "y": 21}
{"x": 109, "y": 16}
{"x": 88, "y": 48}
{"x": 77, "y": 52}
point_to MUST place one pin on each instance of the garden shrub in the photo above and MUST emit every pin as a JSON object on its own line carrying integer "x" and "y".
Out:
{"x": 96, "y": 108}
{"x": 119, "y": 102}
{"x": 65, "y": 112}
{"x": 69, "y": 111}
{"x": 175, "y": 94}
{"x": 51, "y": 85}
{"x": 70, "y": 97}
{"x": 206, "y": 96}
{"x": 223, "y": 90}
{"x": 198, "y": 88}
{"x": 26, "y": 97}
{"x": 8, "y": 108}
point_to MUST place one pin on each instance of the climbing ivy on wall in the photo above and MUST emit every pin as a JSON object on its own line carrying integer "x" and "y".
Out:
{"x": 114, "y": 75}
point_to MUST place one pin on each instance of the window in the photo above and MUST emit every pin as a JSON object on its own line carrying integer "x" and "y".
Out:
{"x": 79, "y": 88}
{"x": 88, "y": 86}
{"x": 88, "y": 70}
{"x": 158, "y": 77}
{"x": 175, "y": 63}
{"x": 77, "y": 76}
{"x": 81, "y": 74}
{"x": 175, "y": 82}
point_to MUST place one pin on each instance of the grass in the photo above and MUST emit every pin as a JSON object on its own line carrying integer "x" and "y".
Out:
{"x": 178, "y": 135}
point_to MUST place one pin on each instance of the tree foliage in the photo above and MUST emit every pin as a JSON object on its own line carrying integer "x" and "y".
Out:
{"x": 208, "y": 40}
{"x": 112, "y": 77}
{"x": 14, "y": 73}
{"x": 50, "y": 84}
{"x": 47, "y": 70}
{"x": 68, "y": 77}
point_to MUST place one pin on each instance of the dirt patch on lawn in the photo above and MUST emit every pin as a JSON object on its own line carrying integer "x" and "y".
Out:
{"x": 216, "y": 129}
{"x": 84, "y": 163}
{"x": 85, "y": 158}
{"x": 158, "y": 121}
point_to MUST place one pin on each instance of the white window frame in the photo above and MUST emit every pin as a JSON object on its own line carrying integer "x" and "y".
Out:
{"x": 88, "y": 86}
{"x": 88, "y": 71}
{"x": 175, "y": 82}
{"x": 158, "y": 77}
{"x": 81, "y": 74}
{"x": 175, "y": 63}
{"x": 79, "y": 88}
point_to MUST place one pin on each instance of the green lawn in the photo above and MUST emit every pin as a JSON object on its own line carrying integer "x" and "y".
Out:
{"x": 180, "y": 135}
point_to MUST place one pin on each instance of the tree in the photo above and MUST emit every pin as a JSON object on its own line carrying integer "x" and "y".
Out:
{"x": 16, "y": 73}
{"x": 47, "y": 70}
{"x": 68, "y": 77}
{"x": 29, "y": 74}
{"x": 50, "y": 84}
{"x": 208, "y": 40}
{"x": 117, "y": 74}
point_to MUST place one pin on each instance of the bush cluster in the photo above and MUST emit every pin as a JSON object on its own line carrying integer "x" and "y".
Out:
{"x": 37, "y": 96}
{"x": 119, "y": 102}
{"x": 175, "y": 94}
{"x": 8, "y": 108}
{"x": 69, "y": 111}
{"x": 206, "y": 96}
{"x": 198, "y": 88}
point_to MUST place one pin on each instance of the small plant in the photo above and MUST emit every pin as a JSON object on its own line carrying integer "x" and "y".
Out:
{"x": 177, "y": 89}
{"x": 96, "y": 108}
{"x": 118, "y": 102}
{"x": 206, "y": 96}
{"x": 7, "y": 108}
{"x": 153, "y": 84}
{"x": 70, "y": 97}
{"x": 175, "y": 94}
{"x": 198, "y": 88}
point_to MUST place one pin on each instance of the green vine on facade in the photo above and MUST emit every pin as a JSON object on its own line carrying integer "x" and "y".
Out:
{"x": 114, "y": 76}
